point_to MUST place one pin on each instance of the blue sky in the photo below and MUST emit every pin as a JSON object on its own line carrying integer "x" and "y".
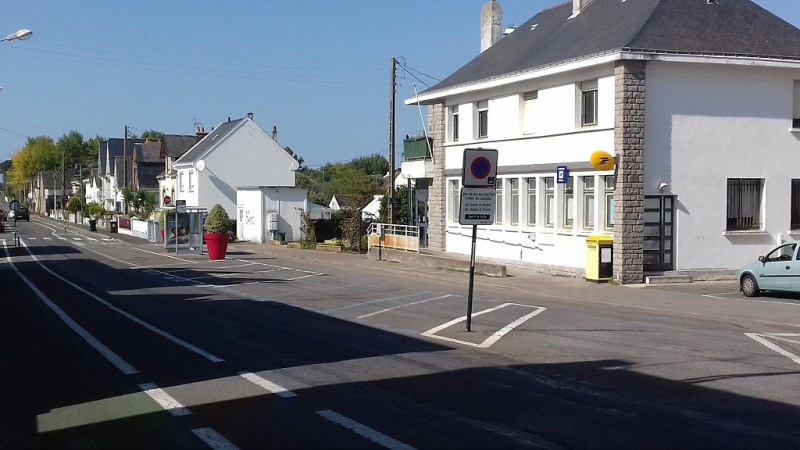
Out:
{"x": 318, "y": 70}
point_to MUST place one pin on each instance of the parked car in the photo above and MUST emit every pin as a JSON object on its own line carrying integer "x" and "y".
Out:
{"x": 778, "y": 270}
{"x": 20, "y": 214}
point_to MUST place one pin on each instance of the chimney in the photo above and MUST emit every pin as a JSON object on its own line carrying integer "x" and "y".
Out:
{"x": 491, "y": 20}
{"x": 201, "y": 131}
{"x": 577, "y": 7}
{"x": 275, "y": 133}
{"x": 250, "y": 115}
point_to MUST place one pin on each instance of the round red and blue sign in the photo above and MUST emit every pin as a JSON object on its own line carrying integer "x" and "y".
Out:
{"x": 481, "y": 167}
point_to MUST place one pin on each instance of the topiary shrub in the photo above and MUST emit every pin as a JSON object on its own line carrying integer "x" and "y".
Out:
{"x": 217, "y": 221}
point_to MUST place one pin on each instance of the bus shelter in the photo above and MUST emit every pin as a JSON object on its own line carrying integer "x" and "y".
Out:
{"x": 183, "y": 228}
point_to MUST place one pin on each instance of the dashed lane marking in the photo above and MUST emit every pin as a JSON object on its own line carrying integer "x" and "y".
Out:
{"x": 762, "y": 339}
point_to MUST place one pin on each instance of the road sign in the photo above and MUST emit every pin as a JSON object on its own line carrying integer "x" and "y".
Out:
{"x": 13, "y": 205}
{"x": 477, "y": 206}
{"x": 480, "y": 168}
{"x": 180, "y": 206}
{"x": 167, "y": 199}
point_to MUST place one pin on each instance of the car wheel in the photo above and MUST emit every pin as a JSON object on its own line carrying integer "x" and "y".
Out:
{"x": 748, "y": 286}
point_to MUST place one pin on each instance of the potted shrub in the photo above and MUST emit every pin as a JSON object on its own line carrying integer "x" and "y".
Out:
{"x": 217, "y": 226}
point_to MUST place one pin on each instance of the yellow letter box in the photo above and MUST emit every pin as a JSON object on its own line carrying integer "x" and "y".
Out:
{"x": 599, "y": 258}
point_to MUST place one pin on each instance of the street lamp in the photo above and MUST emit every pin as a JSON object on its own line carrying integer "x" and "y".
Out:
{"x": 20, "y": 35}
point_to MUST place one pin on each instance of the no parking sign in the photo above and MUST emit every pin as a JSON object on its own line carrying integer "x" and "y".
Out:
{"x": 480, "y": 168}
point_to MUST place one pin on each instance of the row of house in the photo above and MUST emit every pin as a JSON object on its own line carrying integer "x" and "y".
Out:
{"x": 236, "y": 165}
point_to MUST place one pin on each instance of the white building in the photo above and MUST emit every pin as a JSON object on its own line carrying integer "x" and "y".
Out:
{"x": 699, "y": 102}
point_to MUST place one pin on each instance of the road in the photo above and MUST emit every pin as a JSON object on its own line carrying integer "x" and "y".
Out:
{"x": 109, "y": 342}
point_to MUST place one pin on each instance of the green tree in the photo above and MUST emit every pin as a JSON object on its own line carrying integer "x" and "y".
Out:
{"x": 358, "y": 188}
{"x": 401, "y": 210}
{"x": 153, "y": 135}
{"x": 298, "y": 158}
{"x": 374, "y": 164}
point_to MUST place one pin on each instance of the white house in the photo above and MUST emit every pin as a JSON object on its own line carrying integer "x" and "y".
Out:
{"x": 270, "y": 213}
{"x": 698, "y": 101}
{"x": 236, "y": 154}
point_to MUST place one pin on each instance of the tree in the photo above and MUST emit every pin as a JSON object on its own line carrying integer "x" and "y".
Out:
{"x": 298, "y": 158}
{"x": 358, "y": 188}
{"x": 401, "y": 209}
{"x": 152, "y": 135}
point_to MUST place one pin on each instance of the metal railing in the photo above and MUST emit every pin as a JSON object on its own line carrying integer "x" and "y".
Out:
{"x": 399, "y": 237}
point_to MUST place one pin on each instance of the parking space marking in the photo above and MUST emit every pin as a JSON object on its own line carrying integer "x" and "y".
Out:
{"x": 364, "y": 431}
{"x": 276, "y": 389}
{"x": 491, "y": 339}
{"x": 380, "y": 300}
{"x": 213, "y": 439}
{"x": 404, "y": 305}
{"x": 166, "y": 401}
{"x": 761, "y": 338}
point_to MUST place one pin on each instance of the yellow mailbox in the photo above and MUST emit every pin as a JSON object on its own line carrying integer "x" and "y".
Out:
{"x": 599, "y": 258}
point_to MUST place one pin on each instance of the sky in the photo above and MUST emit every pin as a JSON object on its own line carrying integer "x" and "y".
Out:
{"x": 318, "y": 70}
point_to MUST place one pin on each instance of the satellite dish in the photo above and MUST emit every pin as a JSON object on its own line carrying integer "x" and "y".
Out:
{"x": 201, "y": 165}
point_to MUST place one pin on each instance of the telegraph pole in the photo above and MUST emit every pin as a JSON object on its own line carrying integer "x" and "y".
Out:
{"x": 391, "y": 145}
{"x": 125, "y": 158}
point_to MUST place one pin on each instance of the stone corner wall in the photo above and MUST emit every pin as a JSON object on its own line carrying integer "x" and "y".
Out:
{"x": 437, "y": 193}
{"x": 629, "y": 144}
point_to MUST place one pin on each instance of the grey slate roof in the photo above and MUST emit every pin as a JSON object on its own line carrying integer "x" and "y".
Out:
{"x": 731, "y": 27}
{"x": 147, "y": 174}
{"x": 175, "y": 146}
{"x": 209, "y": 140}
{"x": 148, "y": 152}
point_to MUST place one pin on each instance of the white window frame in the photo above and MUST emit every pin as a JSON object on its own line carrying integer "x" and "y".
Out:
{"x": 588, "y": 183}
{"x": 745, "y": 200}
{"x": 796, "y": 106}
{"x": 482, "y": 119}
{"x": 455, "y": 199}
{"x": 498, "y": 202}
{"x": 531, "y": 204}
{"x": 567, "y": 205}
{"x": 550, "y": 213}
{"x": 454, "y": 123}
{"x": 608, "y": 203}
{"x": 191, "y": 181}
{"x": 513, "y": 194}
{"x": 588, "y": 104}
{"x": 181, "y": 181}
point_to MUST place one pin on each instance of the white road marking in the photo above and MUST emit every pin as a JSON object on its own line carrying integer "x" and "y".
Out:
{"x": 174, "y": 339}
{"x": 404, "y": 305}
{"x": 491, "y": 339}
{"x": 106, "y": 352}
{"x": 213, "y": 439}
{"x": 276, "y": 389}
{"x": 355, "y": 305}
{"x": 364, "y": 431}
{"x": 166, "y": 402}
{"x": 760, "y": 337}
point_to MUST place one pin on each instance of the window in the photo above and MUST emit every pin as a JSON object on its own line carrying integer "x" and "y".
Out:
{"x": 181, "y": 182}
{"x": 454, "y": 123}
{"x": 514, "y": 201}
{"x": 498, "y": 202}
{"x": 609, "y": 203}
{"x": 588, "y": 202}
{"x": 569, "y": 204}
{"x": 744, "y": 203}
{"x": 549, "y": 202}
{"x": 795, "y": 220}
{"x": 191, "y": 180}
{"x": 529, "y": 100}
{"x": 531, "y": 202}
{"x": 483, "y": 119}
{"x": 455, "y": 197}
{"x": 589, "y": 103}
{"x": 796, "y": 115}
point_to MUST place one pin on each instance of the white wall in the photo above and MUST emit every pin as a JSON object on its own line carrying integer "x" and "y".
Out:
{"x": 253, "y": 205}
{"x": 709, "y": 123}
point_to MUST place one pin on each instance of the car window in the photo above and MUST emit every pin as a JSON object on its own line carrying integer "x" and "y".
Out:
{"x": 782, "y": 253}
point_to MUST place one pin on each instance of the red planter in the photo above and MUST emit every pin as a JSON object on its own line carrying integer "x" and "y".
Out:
{"x": 217, "y": 245}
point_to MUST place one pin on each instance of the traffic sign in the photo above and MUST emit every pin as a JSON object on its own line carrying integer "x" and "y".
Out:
{"x": 180, "y": 206}
{"x": 480, "y": 168}
{"x": 14, "y": 205}
{"x": 167, "y": 199}
{"x": 477, "y": 206}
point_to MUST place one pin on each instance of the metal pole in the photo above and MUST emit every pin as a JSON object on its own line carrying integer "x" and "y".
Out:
{"x": 391, "y": 146}
{"x": 471, "y": 278}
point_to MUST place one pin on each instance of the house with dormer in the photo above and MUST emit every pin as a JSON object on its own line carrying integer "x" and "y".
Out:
{"x": 114, "y": 170}
{"x": 698, "y": 102}
{"x": 172, "y": 148}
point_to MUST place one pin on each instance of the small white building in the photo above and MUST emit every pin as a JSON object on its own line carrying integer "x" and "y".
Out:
{"x": 270, "y": 213}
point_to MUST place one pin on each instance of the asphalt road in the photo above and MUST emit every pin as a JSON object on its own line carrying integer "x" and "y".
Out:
{"x": 109, "y": 341}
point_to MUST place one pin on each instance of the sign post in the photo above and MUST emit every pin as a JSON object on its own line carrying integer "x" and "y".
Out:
{"x": 478, "y": 178}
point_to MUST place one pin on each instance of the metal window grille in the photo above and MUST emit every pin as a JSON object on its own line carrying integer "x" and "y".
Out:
{"x": 744, "y": 204}
{"x": 795, "y": 225}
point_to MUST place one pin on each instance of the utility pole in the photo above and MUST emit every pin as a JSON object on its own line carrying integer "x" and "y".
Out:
{"x": 391, "y": 145}
{"x": 125, "y": 158}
